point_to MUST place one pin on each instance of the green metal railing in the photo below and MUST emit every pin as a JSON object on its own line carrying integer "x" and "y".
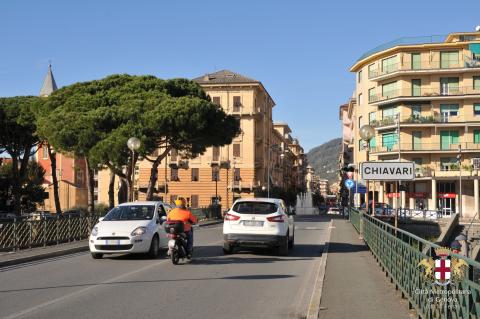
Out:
{"x": 210, "y": 212}
{"x": 399, "y": 254}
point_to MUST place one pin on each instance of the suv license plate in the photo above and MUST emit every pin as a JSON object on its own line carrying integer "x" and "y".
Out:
{"x": 254, "y": 223}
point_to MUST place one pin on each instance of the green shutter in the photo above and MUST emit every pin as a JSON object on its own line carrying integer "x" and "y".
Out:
{"x": 476, "y": 136}
{"x": 417, "y": 140}
{"x": 373, "y": 142}
{"x": 476, "y": 109}
{"x": 449, "y": 60}
{"x": 474, "y": 48}
{"x": 416, "y": 87}
{"x": 476, "y": 82}
{"x": 416, "y": 63}
{"x": 389, "y": 140}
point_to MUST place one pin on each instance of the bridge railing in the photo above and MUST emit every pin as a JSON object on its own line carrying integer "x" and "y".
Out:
{"x": 23, "y": 234}
{"x": 399, "y": 254}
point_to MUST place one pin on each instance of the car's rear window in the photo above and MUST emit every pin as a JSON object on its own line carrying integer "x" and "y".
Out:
{"x": 263, "y": 208}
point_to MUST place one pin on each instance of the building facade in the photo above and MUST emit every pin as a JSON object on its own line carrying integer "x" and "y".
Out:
{"x": 262, "y": 153}
{"x": 422, "y": 96}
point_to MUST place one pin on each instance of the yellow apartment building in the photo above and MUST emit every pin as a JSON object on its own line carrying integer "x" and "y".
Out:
{"x": 422, "y": 96}
{"x": 241, "y": 169}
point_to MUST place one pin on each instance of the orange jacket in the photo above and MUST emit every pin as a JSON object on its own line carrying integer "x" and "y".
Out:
{"x": 183, "y": 215}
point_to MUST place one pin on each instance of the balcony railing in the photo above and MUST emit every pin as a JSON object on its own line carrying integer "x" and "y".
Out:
{"x": 433, "y": 118}
{"x": 466, "y": 62}
{"x": 410, "y": 147}
{"x": 424, "y": 93}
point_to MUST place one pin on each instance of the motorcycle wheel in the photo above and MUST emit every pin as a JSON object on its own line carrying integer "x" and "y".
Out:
{"x": 175, "y": 257}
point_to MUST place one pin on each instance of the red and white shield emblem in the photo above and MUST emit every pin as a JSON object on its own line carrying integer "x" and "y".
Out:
{"x": 442, "y": 270}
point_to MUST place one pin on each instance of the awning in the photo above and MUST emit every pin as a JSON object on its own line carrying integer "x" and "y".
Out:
{"x": 474, "y": 48}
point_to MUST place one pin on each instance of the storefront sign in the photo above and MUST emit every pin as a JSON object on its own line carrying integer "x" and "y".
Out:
{"x": 447, "y": 195}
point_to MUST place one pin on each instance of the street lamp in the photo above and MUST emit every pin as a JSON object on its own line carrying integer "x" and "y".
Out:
{"x": 367, "y": 132}
{"x": 133, "y": 144}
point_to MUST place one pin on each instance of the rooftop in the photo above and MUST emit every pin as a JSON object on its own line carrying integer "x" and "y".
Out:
{"x": 224, "y": 76}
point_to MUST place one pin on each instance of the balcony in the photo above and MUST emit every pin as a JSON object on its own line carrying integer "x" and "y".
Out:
{"x": 432, "y": 119}
{"x": 424, "y": 67}
{"x": 425, "y": 148}
{"x": 424, "y": 94}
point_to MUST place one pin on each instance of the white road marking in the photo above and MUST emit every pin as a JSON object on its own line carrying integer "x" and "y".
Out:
{"x": 82, "y": 291}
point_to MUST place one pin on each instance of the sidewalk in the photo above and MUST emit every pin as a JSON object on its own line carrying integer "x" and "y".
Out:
{"x": 34, "y": 254}
{"x": 354, "y": 285}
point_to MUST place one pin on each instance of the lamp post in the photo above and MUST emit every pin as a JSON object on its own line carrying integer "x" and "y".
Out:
{"x": 133, "y": 144}
{"x": 367, "y": 132}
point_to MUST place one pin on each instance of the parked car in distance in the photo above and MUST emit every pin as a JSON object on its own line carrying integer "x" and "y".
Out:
{"x": 258, "y": 222}
{"x": 134, "y": 227}
{"x": 335, "y": 209}
{"x": 381, "y": 209}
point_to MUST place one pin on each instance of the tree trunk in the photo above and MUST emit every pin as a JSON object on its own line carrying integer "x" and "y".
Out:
{"x": 53, "y": 164}
{"x": 153, "y": 179}
{"x": 111, "y": 190}
{"x": 90, "y": 187}
{"x": 122, "y": 191}
{"x": 16, "y": 189}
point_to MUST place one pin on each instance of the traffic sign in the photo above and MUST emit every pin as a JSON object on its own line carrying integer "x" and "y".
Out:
{"x": 388, "y": 171}
{"x": 349, "y": 183}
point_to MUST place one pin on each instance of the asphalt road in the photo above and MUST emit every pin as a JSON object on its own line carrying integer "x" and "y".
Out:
{"x": 248, "y": 284}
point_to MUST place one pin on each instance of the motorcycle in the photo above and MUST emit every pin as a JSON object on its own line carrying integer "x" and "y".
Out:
{"x": 177, "y": 243}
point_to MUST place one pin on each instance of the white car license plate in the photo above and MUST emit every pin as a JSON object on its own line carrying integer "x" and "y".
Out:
{"x": 112, "y": 242}
{"x": 254, "y": 223}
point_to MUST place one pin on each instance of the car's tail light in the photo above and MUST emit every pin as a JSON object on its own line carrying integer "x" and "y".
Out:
{"x": 277, "y": 219}
{"x": 231, "y": 217}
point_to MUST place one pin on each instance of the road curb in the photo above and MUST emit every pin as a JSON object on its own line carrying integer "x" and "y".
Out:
{"x": 314, "y": 307}
{"x": 69, "y": 251}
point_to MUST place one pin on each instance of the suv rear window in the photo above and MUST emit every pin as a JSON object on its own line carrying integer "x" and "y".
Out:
{"x": 262, "y": 208}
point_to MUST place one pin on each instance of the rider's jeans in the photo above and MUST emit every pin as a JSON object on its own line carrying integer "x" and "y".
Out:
{"x": 189, "y": 240}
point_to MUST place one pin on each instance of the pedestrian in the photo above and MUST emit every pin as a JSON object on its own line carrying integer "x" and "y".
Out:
{"x": 462, "y": 239}
{"x": 455, "y": 246}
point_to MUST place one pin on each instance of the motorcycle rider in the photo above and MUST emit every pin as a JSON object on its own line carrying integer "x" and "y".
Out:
{"x": 181, "y": 213}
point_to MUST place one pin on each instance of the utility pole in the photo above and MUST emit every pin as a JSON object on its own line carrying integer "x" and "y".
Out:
{"x": 459, "y": 161}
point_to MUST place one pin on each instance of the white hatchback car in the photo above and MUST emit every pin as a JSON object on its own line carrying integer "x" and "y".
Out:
{"x": 258, "y": 222}
{"x": 134, "y": 227}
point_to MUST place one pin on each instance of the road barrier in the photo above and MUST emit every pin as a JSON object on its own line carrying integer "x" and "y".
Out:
{"x": 399, "y": 254}
{"x": 22, "y": 234}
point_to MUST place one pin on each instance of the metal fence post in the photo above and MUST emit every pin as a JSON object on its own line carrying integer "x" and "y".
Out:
{"x": 30, "y": 235}
{"x": 69, "y": 231}
{"x": 56, "y": 229}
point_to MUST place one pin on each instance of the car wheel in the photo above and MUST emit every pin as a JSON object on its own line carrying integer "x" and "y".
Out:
{"x": 97, "y": 255}
{"x": 282, "y": 250}
{"x": 153, "y": 252}
{"x": 227, "y": 249}
{"x": 291, "y": 242}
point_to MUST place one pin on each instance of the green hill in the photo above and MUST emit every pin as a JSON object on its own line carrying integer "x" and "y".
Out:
{"x": 324, "y": 159}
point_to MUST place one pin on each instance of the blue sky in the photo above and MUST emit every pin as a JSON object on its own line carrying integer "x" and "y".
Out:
{"x": 300, "y": 50}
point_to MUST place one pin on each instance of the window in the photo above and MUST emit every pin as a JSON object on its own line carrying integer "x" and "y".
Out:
{"x": 416, "y": 111}
{"x": 448, "y": 140}
{"x": 371, "y": 117}
{"x": 194, "y": 201}
{"x": 476, "y": 83}
{"x": 236, "y": 104}
{"x": 416, "y": 87}
{"x": 371, "y": 95}
{"x": 216, "y": 100}
{"x": 389, "y": 113}
{"x": 44, "y": 152}
{"x": 194, "y": 174}
{"x": 215, "y": 173}
{"x": 449, "y": 86}
{"x": 236, "y": 150}
{"x": 417, "y": 140}
{"x": 360, "y": 99}
{"x": 418, "y": 161}
{"x": 389, "y": 90}
{"x": 360, "y": 144}
{"x": 236, "y": 175}
{"x": 174, "y": 174}
{"x": 389, "y": 140}
{"x": 476, "y": 136}
{"x": 359, "y": 76}
{"x": 449, "y": 59}
{"x": 476, "y": 109}
{"x": 447, "y": 110}
{"x": 373, "y": 142}
{"x": 389, "y": 65}
{"x": 371, "y": 70}
{"x": 215, "y": 153}
{"x": 446, "y": 164}
{"x": 359, "y": 122}
{"x": 416, "y": 64}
